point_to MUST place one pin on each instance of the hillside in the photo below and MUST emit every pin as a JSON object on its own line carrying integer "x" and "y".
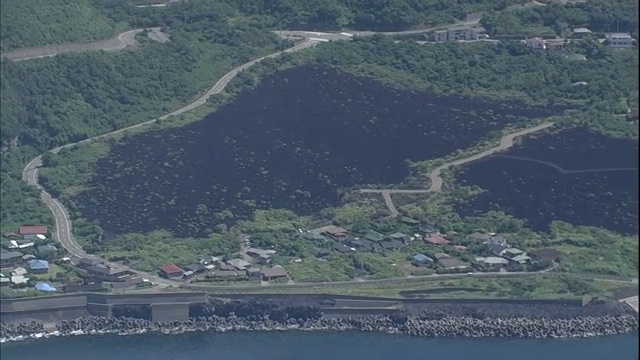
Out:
{"x": 27, "y": 23}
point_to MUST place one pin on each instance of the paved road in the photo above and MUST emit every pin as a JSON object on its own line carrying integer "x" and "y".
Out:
{"x": 119, "y": 42}
{"x": 436, "y": 175}
{"x": 63, "y": 231}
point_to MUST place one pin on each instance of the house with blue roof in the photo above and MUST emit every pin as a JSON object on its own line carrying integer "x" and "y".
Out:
{"x": 38, "y": 266}
{"x": 421, "y": 259}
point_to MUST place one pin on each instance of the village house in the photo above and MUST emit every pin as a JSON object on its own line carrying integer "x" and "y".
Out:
{"x": 427, "y": 230}
{"x": 27, "y": 257}
{"x": 19, "y": 271}
{"x": 5, "y": 281}
{"x": 421, "y": 260}
{"x": 274, "y": 273}
{"x": 373, "y": 236}
{"x": 47, "y": 249}
{"x": 452, "y": 263}
{"x": 437, "y": 240}
{"x": 10, "y": 258}
{"x": 581, "y": 32}
{"x": 404, "y": 238}
{"x": 439, "y": 35}
{"x": 521, "y": 259}
{"x": 228, "y": 275}
{"x": 260, "y": 252}
{"x": 493, "y": 263}
{"x": 342, "y": 248}
{"x": 239, "y": 264}
{"x": 619, "y": 40}
{"x": 536, "y": 43}
{"x": 254, "y": 273}
{"x": 9, "y": 234}
{"x": 38, "y": 266}
{"x": 19, "y": 281}
{"x": 108, "y": 273}
{"x": 440, "y": 256}
{"x": 33, "y": 230}
{"x": 194, "y": 269}
{"x": 85, "y": 263}
{"x": 392, "y": 245}
{"x": 335, "y": 232}
{"x": 171, "y": 271}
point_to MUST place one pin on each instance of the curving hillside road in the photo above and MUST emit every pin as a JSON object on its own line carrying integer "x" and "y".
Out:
{"x": 505, "y": 142}
{"x": 63, "y": 231}
{"x": 63, "y": 225}
{"x": 119, "y": 42}
{"x": 436, "y": 175}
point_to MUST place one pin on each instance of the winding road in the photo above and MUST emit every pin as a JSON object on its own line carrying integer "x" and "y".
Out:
{"x": 436, "y": 175}
{"x": 63, "y": 231}
{"x": 119, "y": 42}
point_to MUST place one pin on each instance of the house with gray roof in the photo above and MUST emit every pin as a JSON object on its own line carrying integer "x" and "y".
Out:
{"x": 239, "y": 264}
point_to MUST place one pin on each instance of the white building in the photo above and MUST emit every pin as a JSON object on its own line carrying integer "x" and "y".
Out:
{"x": 460, "y": 33}
{"x": 536, "y": 43}
{"x": 619, "y": 40}
{"x": 440, "y": 35}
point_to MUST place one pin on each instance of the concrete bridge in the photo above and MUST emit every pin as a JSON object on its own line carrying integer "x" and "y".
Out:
{"x": 165, "y": 307}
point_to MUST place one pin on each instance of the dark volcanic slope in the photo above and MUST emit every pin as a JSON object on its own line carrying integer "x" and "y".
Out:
{"x": 292, "y": 143}
{"x": 576, "y": 176}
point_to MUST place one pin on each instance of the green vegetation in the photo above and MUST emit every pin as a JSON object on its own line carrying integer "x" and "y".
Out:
{"x": 51, "y": 102}
{"x": 599, "y": 16}
{"x": 539, "y": 78}
{"x": 534, "y": 287}
{"x": 27, "y": 23}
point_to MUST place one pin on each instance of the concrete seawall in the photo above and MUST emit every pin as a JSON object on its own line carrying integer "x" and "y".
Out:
{"x": 175, "y": 306}
{"x": 165, "y": 307}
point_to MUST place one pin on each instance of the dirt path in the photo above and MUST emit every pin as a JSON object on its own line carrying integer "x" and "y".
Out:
{"x": 119, "y": 42}
{"x": 563, "y": 171}
{"x": 436, "y": 175}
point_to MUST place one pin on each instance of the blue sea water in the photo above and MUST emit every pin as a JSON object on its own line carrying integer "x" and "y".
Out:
{"x": 316, "y": 346}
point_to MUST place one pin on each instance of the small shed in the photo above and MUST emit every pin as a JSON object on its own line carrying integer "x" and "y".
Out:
{"x": 421, "y": 259}
{"x": 43, "y": 286}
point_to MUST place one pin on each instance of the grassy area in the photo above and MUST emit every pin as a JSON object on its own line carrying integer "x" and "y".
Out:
{"x": 539, "y": 287}
{"x": 53, "y": 271}
{"x": 28, "y": 23}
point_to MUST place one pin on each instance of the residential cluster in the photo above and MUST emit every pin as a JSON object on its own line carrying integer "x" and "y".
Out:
{"x": 25, "y": 256}
{"x": 500, "y": 255}
{"x": 29, "y": 259}
{"x": 612, "y": 40}
{"x": 255, "y": 266}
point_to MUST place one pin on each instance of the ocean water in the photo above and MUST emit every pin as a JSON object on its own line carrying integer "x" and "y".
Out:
{"x": 316, "y": 346}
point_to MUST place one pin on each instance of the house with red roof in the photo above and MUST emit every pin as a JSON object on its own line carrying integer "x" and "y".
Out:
{"x": 437, "y": 240}
{"x": 171, "y": 271}
{"x": 33, "y": 230}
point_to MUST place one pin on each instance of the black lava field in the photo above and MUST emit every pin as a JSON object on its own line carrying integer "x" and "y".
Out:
{"x": 291, "y": 143}
{"x": 575, "y": 176}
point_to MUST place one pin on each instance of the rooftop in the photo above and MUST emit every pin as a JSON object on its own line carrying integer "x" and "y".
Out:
{"x": 105, "y": 269}
{"x": 437, "y": 240}
{"x": 453, "y": 263}
{"x": 239, "y": 264}
{"x": 276, "y": 271}
{"x": 33, "y": 230}
{"x": 171, "y": 269}
{"x": 38, "y": 264}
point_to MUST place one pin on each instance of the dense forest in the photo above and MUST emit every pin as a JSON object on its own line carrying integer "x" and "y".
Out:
{"x": 26, "y": 23}
{"x": 599, "y": 16}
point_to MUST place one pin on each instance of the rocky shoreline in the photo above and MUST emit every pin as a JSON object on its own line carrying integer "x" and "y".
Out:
{"x": 261, "y": 316}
